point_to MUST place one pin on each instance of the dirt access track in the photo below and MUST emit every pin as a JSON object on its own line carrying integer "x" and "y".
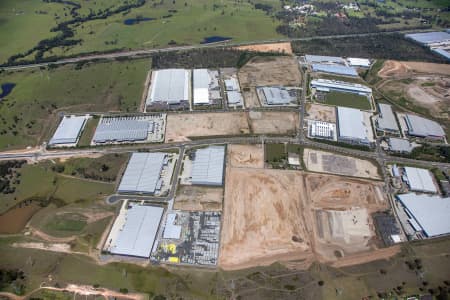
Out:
{"x": 267, "y": 71}
{"x": 272, "y": 47}
{"x": 182, "y": 127}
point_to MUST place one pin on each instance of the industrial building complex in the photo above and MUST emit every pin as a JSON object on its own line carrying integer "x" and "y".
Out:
{"x": 208, "y": 166}
{"x": 325, "y": 85}
{"x": 130, "y": 129}
{"x": 206, "y": 87}
{"x": 144, "y": 173}
{"x": 427, "y": 215}
{"x": 419, "y": 180}
{"x": 170, "y": 89}
{"x": 277, "y": 95}
{"x": 69, "y": 131}
{"x": 423, "y": 128}
{"x": 322, "y": 130}
{"x": 352, "y": 126}
{"x": 386, "y": 121}
{"x": 334, "y": 69}
{"x": 134, "y": 230}
{"x": 438, "y": 41}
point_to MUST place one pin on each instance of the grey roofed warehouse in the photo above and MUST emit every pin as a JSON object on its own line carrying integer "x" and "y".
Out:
{"x": 137, "y": 235}
{"x": 69, "y": 130}
{"x": 324, "y": 59}
{"x": 208, "y": 166}
{"x": 277, "y": 95}
{"x": 351, "y": 126}
{"x": 122, "y": 129}
{"x": 386, "y": 120}
{"x": 421, "y": 127}
{"x": 143, "y": 173}
{"x": 170, "y": 86}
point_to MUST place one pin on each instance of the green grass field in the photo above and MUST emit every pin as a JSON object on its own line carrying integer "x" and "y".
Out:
{"x": 65, "y": 224}
{"x": 29, "y": 114}
{"x": 39, "y": 181}
{"x": 347, "y": 100}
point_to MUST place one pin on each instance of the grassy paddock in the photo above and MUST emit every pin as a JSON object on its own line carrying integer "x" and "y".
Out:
{"x": 348, "y": 100}
{"x": 29, "y": 114}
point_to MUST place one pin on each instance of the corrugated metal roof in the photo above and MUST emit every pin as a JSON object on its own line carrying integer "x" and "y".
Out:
{"x": 142, "y": 173}
{"x": 323, "y": 59}
{"x": 170, "y": 85}
{"x": 277, "y": 95}
{"x": 208, "y": 166}
{"x": 386, "y": 120}
{"x": 429, "y": 37}
{"x": 231, "y": 84}
{"x": 351, "y": 124}
{"x": 422, "y": 127}
{"x": 341, "y": 86}
{"x": 234, "y": 97}
{"x": 400, "y": 145}
{"x": 171, "y": 231}
{"x": 358, "y": 62}
{"x": 430, "y": 212}
{"x": 137, "y": 236}
{"x": 335, "y": 69}
{"x": 122, "y": 129}
{"x": 68, "y": 130}
{"x": 420, "y": 180}
{"x": 442, "y": 52}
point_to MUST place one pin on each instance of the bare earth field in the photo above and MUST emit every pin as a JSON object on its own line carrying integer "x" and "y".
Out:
{"x": 326, "y": 162}
{"x": 273, "y": 47}
{"x": 181, "y": 127}
{"x": 425, "y": 84}
{"x": 340, "y": 213}
{"x": 267, "y": 71}
{"x": 198, "y": 198}
{"x": 319, "y": 112}
{"x": 262, "y": 220}
{"x": 246, "y": 156}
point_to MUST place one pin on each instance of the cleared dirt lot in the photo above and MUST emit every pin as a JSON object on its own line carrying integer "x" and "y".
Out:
{"x": 267, "y": 71}
{"x": 319, "y": 112}
{"x": 246, "y": 156}
{"x": 393, "y": 68}
{"x": 273, "y": 47}
{"x": 262, "y": 221}
{"x": 327, "y": 162}
{"x": 198, "y": 198}
{"x": 181, "y": 127}
{"x": 340, "y": 211}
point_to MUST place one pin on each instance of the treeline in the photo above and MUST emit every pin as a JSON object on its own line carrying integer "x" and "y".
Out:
{"x": 66, "y": 31}
{"x": 380, "y": 46}
{"x": 12, "y": 278}
{"x": 204, "y": 58}
{"x": 430, "y": 152}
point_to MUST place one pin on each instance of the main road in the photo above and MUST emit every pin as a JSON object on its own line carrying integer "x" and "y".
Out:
{"x": 146, "y": 52}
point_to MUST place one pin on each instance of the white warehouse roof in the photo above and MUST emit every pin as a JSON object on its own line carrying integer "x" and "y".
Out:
{"x": 142, "y": 173}
{"x": 169, "y": 85}
{"x": 208, "y": 166}
{"x": 351, "y": 124}
{"x": 68, "y": 130}
{"x": 327, "y": 84}
{"x": 137, "y": 236}
{"x": 205, "y": 82}
{"x": 418, "y": 126}
{"x": 171, "y": 231}
{"x": 358, "y": 62}
{"x": 430, "y": 212}
{"x": 324, "y": 59}
{"x": 420, "y": 180}
{"x": 277, "y": 95}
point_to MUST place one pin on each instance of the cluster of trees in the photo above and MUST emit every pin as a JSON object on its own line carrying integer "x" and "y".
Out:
{"x": 9, "y": 175}
{"x": 95, "y": 171}
{"x": 13, "y": 277}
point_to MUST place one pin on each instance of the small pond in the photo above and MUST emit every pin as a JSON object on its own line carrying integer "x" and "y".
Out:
{"x": 135, "y": 21}
{"x": 214, "y": 39}
{"x": 6, "y": 89}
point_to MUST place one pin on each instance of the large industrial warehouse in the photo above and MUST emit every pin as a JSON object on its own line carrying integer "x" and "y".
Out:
{"x": 312, "y": 59}
{"x": 421, "y": 127}
{"x": 206, "y": 87}
{"x": 125, "y": 129}
{"x": 143, "y": 173}
{"x": 276, "y": 95}
{"x": 419, "y": 180}
{"x": 169, "y": 89}
{"x": 386, "y": 119}
{"x": 351, "y": 126}
{"x": 134, "y": 230}
{"x": 326, "y": 85}
{"x": 335, "y": 69}
{"x": 208, "y": 166}
{"x": 68, "y": 131}
{"x": 427, "y": 213}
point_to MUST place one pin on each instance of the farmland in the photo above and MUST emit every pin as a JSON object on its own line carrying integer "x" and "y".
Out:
{"x": 30, "y": 113}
